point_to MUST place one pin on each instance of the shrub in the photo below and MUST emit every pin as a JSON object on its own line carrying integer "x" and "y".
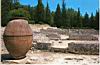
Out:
{"x": 19, "y": 13}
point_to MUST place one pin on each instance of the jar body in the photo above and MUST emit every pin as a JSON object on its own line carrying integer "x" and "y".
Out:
{"x": 18, "y": 38}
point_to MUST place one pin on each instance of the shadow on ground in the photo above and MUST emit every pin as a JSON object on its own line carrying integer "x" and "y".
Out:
{"x": 6, "y": 57}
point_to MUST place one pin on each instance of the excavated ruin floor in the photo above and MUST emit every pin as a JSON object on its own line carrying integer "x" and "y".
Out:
{"x": 46, "y": 57}
{"x": 43, "y": 57}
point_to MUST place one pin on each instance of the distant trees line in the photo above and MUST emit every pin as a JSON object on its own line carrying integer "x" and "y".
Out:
{"x": 62, "y": 17}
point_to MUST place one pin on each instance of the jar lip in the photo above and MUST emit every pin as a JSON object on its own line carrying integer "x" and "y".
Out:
{"x": 13, "y": 18}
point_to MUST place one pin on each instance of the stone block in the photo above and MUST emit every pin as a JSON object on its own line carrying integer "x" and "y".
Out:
{"x": 84, "y": 48}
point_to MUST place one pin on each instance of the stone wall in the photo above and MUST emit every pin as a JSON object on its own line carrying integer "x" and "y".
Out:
{"x": 42, "y": 46}
{"x": 54, "y": 49}
{"x": 83, "y": 48}
{"x": 82, "y": 37}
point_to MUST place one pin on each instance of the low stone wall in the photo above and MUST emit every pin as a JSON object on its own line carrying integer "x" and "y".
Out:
{"x": 82, "y": 37}
{"x": 84, "y": 48}
{"x": 83, "y": 31}
{"x": 54, "y": 49}
{"x": 53, "y": 36}
{"x": 42, "y": 46}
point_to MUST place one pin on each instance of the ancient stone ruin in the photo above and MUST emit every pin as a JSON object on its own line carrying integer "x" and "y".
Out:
{"x": 54, "y": 45}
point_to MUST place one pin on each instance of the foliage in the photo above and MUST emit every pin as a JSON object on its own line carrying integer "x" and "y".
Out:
{"x": 92, "y": 21}
{"x": 5, "y": 8}
{"x": 19, "y": 13}
{"x": 71, "y": 18}
{"x": 57, "y": 17}
{"x": 48, "y": 15}
{"x": 16, "y": 5}
{"x": 86, "y": 20}
{"x": 63, "y": 17}
{"x": 79, "y": 22}
{"x": 96, "y": 24}
{"x": 39, "y": 13}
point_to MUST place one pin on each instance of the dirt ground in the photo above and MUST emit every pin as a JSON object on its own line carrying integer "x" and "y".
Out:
{"x": 44, "y": 57}
{"x": 62, "y": 58}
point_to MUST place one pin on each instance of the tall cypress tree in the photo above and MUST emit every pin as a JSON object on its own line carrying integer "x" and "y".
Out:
{"x": 52, "y": 18}
{"x": 97, "y": 20}
{"x": 64, "y": 19}
{"x": 92, "y": 21}
{"x": 11, "y": 4}
{"x": 17, "y": 4}
{"x": 86, "y": 20}
{"x": 39, "y": 15}
{"x": 48, "y": 15}
{"x": 57, "y": 17}
{"x": 78, "y": 17}
{"x": 32, "y": 12}
{"x": 79, "y": 22}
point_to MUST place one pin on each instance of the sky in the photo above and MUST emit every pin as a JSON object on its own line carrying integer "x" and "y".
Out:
{"x": 89, "y": 6}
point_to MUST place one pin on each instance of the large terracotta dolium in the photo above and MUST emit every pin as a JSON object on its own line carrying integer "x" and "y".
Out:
{"x": 18, "y": 38}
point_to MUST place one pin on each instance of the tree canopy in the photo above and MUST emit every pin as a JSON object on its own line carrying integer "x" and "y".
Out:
{"x": 63, "y": 17}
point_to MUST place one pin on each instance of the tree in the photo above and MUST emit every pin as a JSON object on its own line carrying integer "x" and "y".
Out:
{"x": 79, "y": 22}
{"x": 52, "y": 18}
{"x": 17, "y": 5}
{"x": 5, "y": 8}
{"x": 92, "y": 21}
{"x": 32, "y": 12}
{"x": 48, "y": 15}
{"x": 15, "y": 1}
{"x": 86, "y": 20}
{"x": 11, "y": 4}
{"x": 57, "y": 17}
{"x": 97, "y": 20}
{"x": 64, "y": 18}
{"x": 39, "y": 16}
{"x": 71, "y": 18}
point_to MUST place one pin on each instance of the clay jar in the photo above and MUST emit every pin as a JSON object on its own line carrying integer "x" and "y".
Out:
{"x": 18, "y": 38}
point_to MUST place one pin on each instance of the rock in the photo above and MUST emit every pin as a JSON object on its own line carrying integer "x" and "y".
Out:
{"x": 43, "y": 45}
{"x": 84, "y": 48}
{"x": 53, "y": 36}
{"x": 64, "y": 37}
{"x": 29, "y": 61}
{"x": 37, "y": 36}
{"x": 58, "y": 49}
